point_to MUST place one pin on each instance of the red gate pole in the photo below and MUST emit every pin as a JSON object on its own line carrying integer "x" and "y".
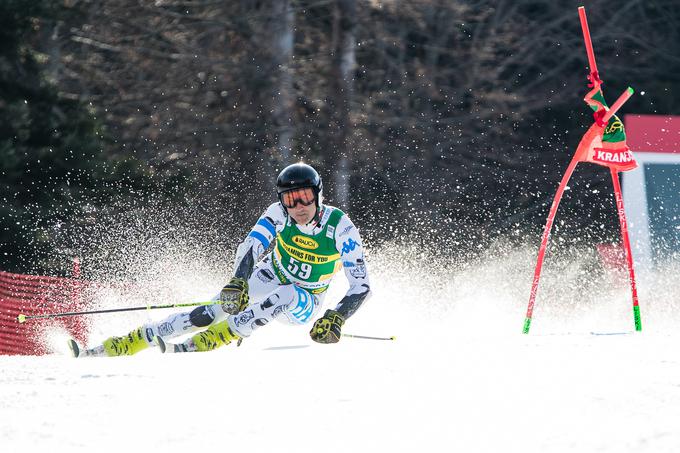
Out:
{"x": 544, "y": 242}
{"x": 589, "y": 43}
{"x": 626, "y": 247}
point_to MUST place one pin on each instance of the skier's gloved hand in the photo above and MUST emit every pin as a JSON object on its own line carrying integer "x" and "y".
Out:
{"x": 327, "y": 329}
{"x": 234, "y": 296}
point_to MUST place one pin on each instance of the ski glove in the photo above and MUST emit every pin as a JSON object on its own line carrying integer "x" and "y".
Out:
{"x": 234, "y": 296}
{"x": 327, "y": 328}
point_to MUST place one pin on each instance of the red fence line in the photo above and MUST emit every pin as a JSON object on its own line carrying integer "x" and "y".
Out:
{"x": 36, "y": 295}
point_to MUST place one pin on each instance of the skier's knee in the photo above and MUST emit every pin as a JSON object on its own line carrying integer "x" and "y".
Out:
{"x": 303, "y": 306}
{"x": 201, "y": 316}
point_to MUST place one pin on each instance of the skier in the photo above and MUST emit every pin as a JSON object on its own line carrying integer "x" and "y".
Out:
{"x": 313, "y": 241}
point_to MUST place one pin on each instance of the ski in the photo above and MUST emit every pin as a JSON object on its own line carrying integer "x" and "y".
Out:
{"x": 168, "y": 348}
{"x": 610, "y": 333}
{"x": 77, "y": 352}
{"x": 74, "y": 348}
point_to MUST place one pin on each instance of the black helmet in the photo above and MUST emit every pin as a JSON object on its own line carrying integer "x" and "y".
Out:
{"x": 298, "y": 176}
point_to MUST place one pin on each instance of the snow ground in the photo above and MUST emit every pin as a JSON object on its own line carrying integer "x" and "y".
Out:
{"x": 459, "y": 377}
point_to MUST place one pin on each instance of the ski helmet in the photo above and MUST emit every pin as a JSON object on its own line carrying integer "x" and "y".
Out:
{"x": 298, "y": 176}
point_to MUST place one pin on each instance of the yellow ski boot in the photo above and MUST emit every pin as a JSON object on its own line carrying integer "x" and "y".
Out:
{"x": 129, "y": 344}
{"x": 216, "y": 336}
{"x": 212, "y": 338}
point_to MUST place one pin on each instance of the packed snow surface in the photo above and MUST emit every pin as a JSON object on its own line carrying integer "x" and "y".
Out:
{"x": 460, "y": 375}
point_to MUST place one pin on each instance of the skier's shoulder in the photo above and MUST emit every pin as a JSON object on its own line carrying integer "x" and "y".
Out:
{"x": 333, "y": 217}
{"x": 271, "y": 221}
{"x": 275, "y": 213}
{"x": 334, "y": 211}
{"x": 343, "y": 225}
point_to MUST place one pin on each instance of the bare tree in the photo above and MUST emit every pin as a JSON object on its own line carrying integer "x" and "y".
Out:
{"x": 342, "y": 87}
{"x": 282, "y": 23}
{"x": 465, "y": 107}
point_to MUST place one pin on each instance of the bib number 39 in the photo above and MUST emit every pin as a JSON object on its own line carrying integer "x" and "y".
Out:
{"x": 300, "y": 270}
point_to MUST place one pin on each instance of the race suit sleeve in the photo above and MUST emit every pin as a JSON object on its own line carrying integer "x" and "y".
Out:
{"x": 349, "y": 244}
{"x": 258, "y": 240}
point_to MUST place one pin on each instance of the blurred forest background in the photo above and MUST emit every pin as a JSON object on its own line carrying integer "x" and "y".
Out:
{"x": 443, "y": 122}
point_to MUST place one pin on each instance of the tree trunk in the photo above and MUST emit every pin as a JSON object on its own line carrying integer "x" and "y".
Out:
{"x": 283, "y": 19}
{"x": 342, "y": 85}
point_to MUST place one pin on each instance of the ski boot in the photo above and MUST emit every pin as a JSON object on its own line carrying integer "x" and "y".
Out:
{"x": 129, "y": 344}
{"x": 212, "y": 338}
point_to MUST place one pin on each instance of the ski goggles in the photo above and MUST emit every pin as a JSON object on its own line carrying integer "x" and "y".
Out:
{"x": 304, "y": 196}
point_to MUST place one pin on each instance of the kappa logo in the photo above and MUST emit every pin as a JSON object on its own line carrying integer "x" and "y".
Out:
{"x": 305, "y": 306}
{"x": 349, "y": 246}
{"x": 305, "y": 242}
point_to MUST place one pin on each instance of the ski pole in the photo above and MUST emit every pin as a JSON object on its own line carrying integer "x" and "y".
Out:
{"x": 23, "y": 318}
{"x": 363, "y": 337}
